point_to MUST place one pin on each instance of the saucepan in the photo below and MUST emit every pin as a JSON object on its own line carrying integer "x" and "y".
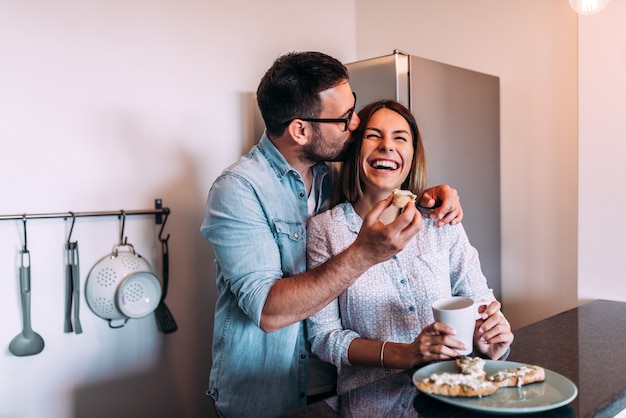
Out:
{"x": 122, "y": 286}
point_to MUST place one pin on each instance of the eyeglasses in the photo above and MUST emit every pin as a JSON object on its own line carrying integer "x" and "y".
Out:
{"x": 345, "y": 121}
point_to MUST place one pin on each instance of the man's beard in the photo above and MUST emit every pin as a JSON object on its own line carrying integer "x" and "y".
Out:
{"x": 319, "y": 150}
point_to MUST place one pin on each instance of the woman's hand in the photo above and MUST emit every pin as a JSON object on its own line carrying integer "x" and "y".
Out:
{"x": 435, "y": 342}
{"x": 445, "y": 204}
{"x": 492, "y": 334}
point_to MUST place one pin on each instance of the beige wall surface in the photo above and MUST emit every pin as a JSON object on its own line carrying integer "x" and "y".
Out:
{"x": 602, "y": 104}
{"x": 531, "y": 47}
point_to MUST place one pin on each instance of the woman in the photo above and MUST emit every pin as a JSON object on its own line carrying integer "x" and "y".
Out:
{"x": 384, "y": 321}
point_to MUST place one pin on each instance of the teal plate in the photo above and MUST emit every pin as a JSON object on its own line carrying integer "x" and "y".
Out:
{"x": 554, "y": 392}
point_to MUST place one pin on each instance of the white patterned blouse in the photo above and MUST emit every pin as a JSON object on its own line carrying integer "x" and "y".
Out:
{"x": 392, "y": 300}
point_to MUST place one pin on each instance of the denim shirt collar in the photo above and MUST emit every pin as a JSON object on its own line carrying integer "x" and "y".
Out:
{"x": 278, "y": 162}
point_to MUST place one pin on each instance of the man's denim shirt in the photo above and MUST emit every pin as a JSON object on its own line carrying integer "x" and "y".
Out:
{"x": 255, "y": 219}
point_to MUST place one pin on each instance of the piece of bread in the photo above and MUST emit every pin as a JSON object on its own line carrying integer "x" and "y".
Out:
{"x": 457, "y": 384}
{"x": 402, "y": 197}
{"x": 473, "y": 366}
{"x": 518, "y": 376}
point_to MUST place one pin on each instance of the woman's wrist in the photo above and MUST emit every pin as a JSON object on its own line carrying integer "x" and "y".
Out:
{"x": 395, "y": 356}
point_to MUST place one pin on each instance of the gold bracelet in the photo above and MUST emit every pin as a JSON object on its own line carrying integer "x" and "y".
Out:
{"x": 382, "y": 354}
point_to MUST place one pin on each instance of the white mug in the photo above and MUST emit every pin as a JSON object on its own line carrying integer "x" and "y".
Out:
{"x": 461, "y": 314}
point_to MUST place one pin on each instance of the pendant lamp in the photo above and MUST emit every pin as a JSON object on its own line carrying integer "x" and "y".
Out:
{"x": 588, "y": 7}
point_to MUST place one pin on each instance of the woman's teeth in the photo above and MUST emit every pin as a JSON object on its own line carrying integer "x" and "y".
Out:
{"x": 384, "y": 165}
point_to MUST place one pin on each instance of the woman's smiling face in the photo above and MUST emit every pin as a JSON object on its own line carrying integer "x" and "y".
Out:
{"x": 386, "y": 152}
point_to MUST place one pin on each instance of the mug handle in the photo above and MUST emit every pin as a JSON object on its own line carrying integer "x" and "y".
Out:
{"x": 478, "y": 305}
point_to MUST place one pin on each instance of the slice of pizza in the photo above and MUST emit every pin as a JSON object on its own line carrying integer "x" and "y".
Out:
{"x": 456, "y": 384}
{"x": 473, "y": 366}
{"x": 518, "y": 376}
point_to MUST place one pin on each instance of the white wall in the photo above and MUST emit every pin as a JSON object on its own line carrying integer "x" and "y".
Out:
{"x": 602, "y": 128}
{"x": 531, "y": 47}
{"x": 107, "y": 106}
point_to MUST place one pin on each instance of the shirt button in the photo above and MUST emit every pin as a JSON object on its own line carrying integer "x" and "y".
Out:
{"x": 403, "y": 281}
{"x": 301, "y": 194}
{"x": 411, "y": 308}
{"x": 296, "y": 235}
{"x": 302, "y": 356}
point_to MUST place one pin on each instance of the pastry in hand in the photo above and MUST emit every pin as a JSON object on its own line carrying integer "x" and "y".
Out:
{"x": 402, "y": 197}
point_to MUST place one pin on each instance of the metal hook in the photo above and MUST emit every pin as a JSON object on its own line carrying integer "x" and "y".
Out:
{"x": 25, "y": 237}
{"x": 69, "y": 236}
{"x": 167, "y": 213}
{"x": 123, "y": 239}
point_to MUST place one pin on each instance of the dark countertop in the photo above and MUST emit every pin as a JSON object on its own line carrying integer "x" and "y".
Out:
{"x": 586, "y": 344}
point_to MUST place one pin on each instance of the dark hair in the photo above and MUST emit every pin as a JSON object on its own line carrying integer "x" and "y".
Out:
{"x": 349, "y": 186}
{"x": 290, "y": 88}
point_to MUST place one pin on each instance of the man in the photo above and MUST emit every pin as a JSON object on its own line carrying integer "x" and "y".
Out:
{"x": 255, "y": 219}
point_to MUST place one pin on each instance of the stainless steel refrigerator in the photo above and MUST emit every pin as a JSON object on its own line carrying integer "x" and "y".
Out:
{"x": 458, "y": 112}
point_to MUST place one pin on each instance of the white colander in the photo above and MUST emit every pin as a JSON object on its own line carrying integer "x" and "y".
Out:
{"x": 122, "y": 286}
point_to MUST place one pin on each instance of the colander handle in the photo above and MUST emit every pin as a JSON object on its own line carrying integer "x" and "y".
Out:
{"x": 117, "y": 323}
{"x": 117, "y": 247}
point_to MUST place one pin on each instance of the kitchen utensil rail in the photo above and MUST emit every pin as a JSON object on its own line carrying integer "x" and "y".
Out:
{"x": 158, "y": 211}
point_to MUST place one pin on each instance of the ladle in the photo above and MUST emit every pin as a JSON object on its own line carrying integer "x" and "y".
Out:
{"x": 28, "y": 342}
{"x": 165, "y": 319}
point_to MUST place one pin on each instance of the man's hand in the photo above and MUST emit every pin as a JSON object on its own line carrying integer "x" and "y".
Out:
{"x": 445, "y": 204}
{"x": 379, "y": 242}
